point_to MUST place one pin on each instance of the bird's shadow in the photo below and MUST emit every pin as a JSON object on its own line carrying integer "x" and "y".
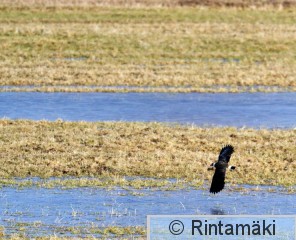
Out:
{"x": 217, "y": 211}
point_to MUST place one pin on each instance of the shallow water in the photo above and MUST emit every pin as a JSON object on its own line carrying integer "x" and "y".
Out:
{"x": 54, "y": 209}
{"x": 270, "y": 110}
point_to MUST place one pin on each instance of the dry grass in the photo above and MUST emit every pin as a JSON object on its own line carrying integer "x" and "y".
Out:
{"x": 179, "y": 47}
{"x": 46, "y": 149}
{"x": 216, "y": 89}
{"x": 149, "y": 3}
{"x": 21, "y": 237}
{"x": 112, "y": 232}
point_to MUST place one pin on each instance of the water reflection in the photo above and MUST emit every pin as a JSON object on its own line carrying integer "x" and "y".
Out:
{"x": 217, "y": 211}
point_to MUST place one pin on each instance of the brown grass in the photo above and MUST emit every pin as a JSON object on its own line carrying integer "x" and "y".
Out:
{"x": 216, "y": 89}
{"x": 54, "y": 44}
{"x": 45, "y": 149}
{"x": 239, "y": 3}
{"x": 149, "y": 3}
{"x": 199, "y": 55}
{"x": 111, "y": 232}
{"x": 20, "y": 236}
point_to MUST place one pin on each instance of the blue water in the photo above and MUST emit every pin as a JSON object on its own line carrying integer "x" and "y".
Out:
{"x": 55, "y": 209}
{"x": 268, "y": 110}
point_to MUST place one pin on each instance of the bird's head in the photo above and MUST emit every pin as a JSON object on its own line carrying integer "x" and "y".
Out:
{"x": 211, "y": 167}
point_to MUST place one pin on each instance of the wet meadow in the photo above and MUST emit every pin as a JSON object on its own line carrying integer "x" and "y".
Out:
{"x": 113, "y": 110}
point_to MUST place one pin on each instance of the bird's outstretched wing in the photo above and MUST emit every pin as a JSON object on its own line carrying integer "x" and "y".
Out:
{"x": 218, "y": 181}
{"x": 225, "y": 153}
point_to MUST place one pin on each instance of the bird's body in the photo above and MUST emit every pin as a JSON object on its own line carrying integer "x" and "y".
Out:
{"x": 220, "y": 166}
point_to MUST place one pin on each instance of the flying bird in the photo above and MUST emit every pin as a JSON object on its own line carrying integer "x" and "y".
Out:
{"x": 220, "y": 166}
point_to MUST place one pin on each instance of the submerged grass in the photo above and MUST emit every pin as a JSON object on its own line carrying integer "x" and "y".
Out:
{"x": 131, "y": 185}
{"x": 115, "y": 149}
{"x": 179, "y": 47}
{"x": 99, "y": 182}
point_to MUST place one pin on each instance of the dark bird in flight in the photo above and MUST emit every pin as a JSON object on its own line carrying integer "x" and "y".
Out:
{"x": 220, "y": 169}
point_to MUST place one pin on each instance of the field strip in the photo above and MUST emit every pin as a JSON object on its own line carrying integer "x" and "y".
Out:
{"x": 58, "y": 149}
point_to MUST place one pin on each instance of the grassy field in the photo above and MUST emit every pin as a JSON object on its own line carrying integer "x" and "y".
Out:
{"x": 117, "y": 149}
{"x": 201, "y": 49}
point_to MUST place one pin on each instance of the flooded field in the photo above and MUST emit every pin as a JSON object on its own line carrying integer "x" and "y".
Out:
{"x": 121, "y": 211}
{"x": 268, "y": 110}
{"x": 81, "y": 210}
{"x": 148, "y": 90}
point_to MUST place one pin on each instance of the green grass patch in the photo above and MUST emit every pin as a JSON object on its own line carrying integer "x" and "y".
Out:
{"x": 147, "y": 15}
